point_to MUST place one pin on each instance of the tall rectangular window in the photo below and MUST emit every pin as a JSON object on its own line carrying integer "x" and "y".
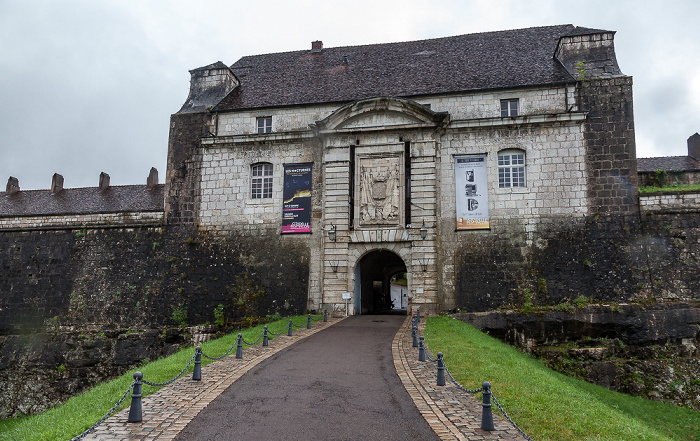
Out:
{"x": 261, "y": 181}
{"x": 511, "y": 168}
{"x": 264, "y": 124}
{"x": 509, "y": 108}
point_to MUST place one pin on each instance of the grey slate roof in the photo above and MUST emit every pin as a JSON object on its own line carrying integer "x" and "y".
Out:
{"x": 491, "y": 60}
{"x": 667, "y": 163}
{"x": 83, "y": 200}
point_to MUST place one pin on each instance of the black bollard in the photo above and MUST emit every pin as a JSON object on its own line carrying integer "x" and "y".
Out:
{"x": 325, "y": 315}
{"x": 421, "y": 351}
{"x": 135, "y": 409}
{"x": 239, "y": 346}
{"x": 486, "y": 415}
{"x": 197, "y": 372}
{"x": 289, "y": 331}
{"x": 441, "y": 370}
{"x": 308, "y": 321}
{"x": 414, "y": 331}
{"x": 418, "y": 315}
{"x": 265, "y": 342}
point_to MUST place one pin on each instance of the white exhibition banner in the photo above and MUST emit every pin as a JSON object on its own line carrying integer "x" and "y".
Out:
{"x": 471, "y": 192}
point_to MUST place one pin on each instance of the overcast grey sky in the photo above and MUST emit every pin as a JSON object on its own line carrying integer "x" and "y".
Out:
{"x": 88, "y": 86}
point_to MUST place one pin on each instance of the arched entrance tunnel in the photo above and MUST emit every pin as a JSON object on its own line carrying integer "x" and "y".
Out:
{"x": 380, "y": 284}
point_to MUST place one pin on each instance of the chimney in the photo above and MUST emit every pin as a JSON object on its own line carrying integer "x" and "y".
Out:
{"x": 104, "y": 181}
{"x": 56, "y": 183}
{"x": 12, "y": 186}
{"x": 316, "y": 46}
{"x": 152, "y": 180}
{"x": 694, "y": 147}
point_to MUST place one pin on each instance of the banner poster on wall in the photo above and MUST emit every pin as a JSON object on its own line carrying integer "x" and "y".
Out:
{"x": 296, "y": 208}
{"x": 472, "y": 193}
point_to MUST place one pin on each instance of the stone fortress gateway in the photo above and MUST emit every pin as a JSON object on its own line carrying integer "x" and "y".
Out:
{"x": 460, "y": 161}
{"x": 495, "y": 170}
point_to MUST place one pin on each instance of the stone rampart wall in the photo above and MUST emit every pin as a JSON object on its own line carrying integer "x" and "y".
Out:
{"x": 72, "y": 298}
{"x": 82, "y": 220}
{"x": 669, "y": 201}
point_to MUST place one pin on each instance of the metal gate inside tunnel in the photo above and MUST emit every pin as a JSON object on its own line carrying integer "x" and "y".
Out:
{"x": 375, "y": 274}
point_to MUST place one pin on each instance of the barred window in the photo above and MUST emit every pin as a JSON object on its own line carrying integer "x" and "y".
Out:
{"x": 509, "y": 108}
{"x": 261, "y": 181}
{"x": 511, "y": 168}
{"x": 264, "y": 124}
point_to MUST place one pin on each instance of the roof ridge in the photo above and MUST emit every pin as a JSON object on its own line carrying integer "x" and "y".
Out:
{"x": 302, "y": 51}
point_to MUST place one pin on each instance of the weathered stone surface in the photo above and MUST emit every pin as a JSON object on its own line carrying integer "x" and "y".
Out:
{"x": 637, "y": 325}
{"x": 77, "y": 309}
{"x": 650, "y": 351}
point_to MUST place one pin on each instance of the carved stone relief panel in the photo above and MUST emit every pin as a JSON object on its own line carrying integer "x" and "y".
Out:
{"x": 380, "y": 186}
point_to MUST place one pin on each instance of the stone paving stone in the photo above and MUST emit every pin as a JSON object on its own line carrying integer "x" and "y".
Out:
{"x": 451, "y": 413}
{"x": 168, "y": 410}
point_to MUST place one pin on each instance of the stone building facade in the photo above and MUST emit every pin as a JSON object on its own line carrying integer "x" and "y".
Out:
{"x": 387, "y": 131}
{"x": 493, "y": 170}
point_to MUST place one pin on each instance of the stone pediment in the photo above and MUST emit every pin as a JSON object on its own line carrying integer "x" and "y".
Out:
{"x": 381, "y": 113}
{"x": 378, "y": 119}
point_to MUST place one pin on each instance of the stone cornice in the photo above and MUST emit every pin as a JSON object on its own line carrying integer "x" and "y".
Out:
{"x": 259, "y": 138}
{"x": 518, "y": 120}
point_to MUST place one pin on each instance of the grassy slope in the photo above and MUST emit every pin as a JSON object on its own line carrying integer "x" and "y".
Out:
{"x": 673, "y": 187}
{"x": 80, "y": 412}
{"x": 548, "y": 405}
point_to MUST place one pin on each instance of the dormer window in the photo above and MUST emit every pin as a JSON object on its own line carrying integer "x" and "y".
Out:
{"x": 509, "y": 108}
{"x": 264, "y": 124}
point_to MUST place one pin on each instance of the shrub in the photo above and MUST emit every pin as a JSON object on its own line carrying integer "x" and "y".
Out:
{"x": 180, "y": 314}
{"x": 219, "y": 315}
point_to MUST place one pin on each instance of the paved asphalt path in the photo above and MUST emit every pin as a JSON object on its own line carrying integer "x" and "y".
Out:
{"x": 338, "y": 384}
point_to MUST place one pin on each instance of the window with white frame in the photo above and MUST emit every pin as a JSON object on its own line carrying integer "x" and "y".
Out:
{"x": 264, "y": 124}
{"x": 509, "y": 108}
{"x": 511, "y": 168}
{"x": 261, "y": 181}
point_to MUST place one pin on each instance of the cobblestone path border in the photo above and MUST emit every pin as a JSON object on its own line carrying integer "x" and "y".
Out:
{"x": 169, "y": 410}
{"x": 451, "y": 413}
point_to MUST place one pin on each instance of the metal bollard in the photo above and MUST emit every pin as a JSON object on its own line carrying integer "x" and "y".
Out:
{"x": 289, "y": 331}
{"x": 418, "y": 315}
{"x": 441, "y": 370}
{"x": 325, "y": 315}
{"x": 308, "y": 321}
{"x": 265, "y": 342}
{"x": 135, "y": 409}
{"x": 197, "y": 372}
{"x": 421, "y": 351}
{"x": 486, "y": 415}
{"x": 239, "y": 346}
{"x": 414, "y": 331}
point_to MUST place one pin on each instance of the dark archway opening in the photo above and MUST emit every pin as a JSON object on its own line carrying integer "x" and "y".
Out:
{"x": 376, "y": 273}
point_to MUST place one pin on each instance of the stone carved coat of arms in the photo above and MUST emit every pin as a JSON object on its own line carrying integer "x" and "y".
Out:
{"x": 380, "y": 191}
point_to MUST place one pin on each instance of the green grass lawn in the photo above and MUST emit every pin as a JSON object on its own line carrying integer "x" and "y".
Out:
{"x": 82, "y": 411}
{"x": 548, "y": 405}
{"x": 672, "y": 187}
